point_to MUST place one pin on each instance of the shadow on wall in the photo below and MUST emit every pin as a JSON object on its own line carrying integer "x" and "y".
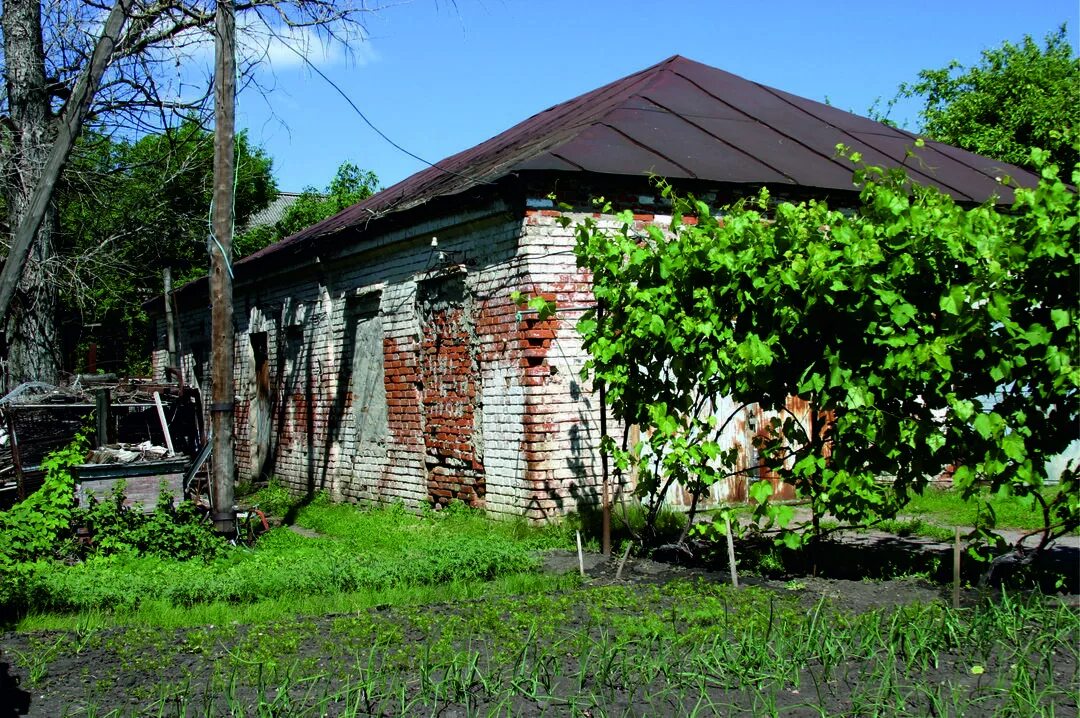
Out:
{"x": 586, "y": 497}
{"x": 292, "y": 366}
{"x": 302, "y": 412}
{"x": 584, "y": 487}
{"x": 277, "y": 404}
{"x": 335, "y": 418}
{"x": 359, "y": 400}
{"x": 260, "y": 418}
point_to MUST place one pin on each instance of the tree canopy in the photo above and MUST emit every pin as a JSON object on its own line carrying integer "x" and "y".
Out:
{"x": 129, "y": 209}
{"x": 136, "y": 72}
{"x": 930, "y": 337}
{"x": 349, "y": 186}
{"x": 1017, "y": 97}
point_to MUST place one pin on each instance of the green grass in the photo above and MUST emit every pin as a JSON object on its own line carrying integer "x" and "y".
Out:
{"x": 915, "y": 527}
{"x": 355, "y": 552}
{"x": 935, "y": 513}
{"x": 165, "y": 615}
{"x": 946, "y": 507}
{"x": 385, "y": 613}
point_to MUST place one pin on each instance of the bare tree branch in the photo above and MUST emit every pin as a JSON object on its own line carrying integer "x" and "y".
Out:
{"x": 156, "y": 77}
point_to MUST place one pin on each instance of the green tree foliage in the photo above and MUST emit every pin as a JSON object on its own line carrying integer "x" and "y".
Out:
{"x": 129, "y": 209}
{"x": 1019, "y": 96}
{"x": 928, "y": 335}
{"x": 349, "y": 186}
{"x": 41, "y": 524}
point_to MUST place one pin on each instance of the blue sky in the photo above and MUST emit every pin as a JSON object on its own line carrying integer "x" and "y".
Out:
{"x": 439, "y": 78}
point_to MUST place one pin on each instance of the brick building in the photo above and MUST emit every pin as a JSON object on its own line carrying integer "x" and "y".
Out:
{"x": 378, "y": 353}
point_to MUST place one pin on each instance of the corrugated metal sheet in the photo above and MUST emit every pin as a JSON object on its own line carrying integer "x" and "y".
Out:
{"x": 272, "y": 213}
{"x": 685, "y": 120}
{"x": 750, "y": 425}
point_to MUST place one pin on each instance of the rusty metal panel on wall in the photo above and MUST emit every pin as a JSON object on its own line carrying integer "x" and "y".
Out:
{"x": 748, "y": 427}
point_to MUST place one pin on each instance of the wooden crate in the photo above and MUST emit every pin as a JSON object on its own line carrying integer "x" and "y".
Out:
{"x": 143, "y": 481}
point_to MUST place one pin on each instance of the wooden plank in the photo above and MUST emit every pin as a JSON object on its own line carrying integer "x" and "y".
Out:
{"x": 143, "y": 490}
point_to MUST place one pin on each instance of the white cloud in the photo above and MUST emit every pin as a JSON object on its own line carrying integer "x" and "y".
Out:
{"x": 267, "y": 56}
{"x": 281, "y": 47}
{"x": 287, "y": 47}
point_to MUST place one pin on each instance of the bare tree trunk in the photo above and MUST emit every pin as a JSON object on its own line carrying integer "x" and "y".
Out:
{"x": 32, "y": 328}
{"x": 32, "y": 336}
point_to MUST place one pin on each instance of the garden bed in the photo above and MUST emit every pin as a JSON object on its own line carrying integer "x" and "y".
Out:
{"x": 661, "y": 640}
{"x": 359, "y": 612}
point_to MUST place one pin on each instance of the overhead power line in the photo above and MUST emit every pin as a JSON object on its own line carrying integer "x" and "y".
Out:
{"x": 304, "y": 58}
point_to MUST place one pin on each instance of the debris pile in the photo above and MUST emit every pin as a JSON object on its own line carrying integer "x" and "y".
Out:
{"x": 127, "y": 453}
{"x": 127, "y": 420}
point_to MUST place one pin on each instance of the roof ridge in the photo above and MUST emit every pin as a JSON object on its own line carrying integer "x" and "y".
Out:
{"x": 734, "y": 131}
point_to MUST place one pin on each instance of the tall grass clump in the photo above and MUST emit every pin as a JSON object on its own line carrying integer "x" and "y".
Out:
{"x": 629, "y": 523}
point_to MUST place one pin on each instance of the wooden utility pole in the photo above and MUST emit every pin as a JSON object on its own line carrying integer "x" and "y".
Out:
{"x": 222, "y": 392}
{"x": 170, "y": 321}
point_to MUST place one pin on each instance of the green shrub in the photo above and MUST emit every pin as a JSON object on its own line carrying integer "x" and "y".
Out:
{"x": 171, "y": 530}
{"x": 41, "y": 525}
{"x": 273, "y": 499}
{"x": 36, "y": 532}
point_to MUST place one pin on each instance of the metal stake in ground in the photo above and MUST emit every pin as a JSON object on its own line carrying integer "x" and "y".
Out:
{"x": 580, "y": 555}
{"x": 731, "y": 552}
{"x": 221, "y": 406}
{"x": 956, "y": 570}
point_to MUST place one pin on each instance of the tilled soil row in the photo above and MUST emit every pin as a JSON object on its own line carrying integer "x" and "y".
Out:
{"x": 632, "y": 646}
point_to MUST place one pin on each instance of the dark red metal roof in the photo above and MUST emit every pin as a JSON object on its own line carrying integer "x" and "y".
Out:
{"x": 683, "y": 120}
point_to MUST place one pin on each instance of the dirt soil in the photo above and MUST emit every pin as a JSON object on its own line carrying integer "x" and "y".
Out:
{"x": 171, "y": 673}
{"x": 848, "y": 595}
